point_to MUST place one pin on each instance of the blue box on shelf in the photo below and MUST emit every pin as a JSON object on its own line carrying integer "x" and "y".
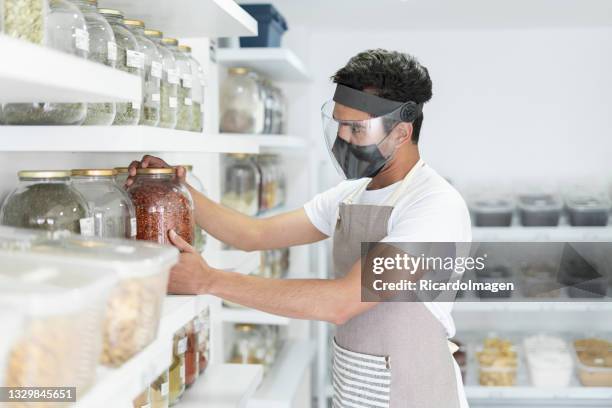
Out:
{"x": 271, "y": 26}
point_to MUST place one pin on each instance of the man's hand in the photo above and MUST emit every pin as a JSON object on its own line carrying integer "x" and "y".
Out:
{"x": 191, "y": 275}
{"x": 152, "y": 162}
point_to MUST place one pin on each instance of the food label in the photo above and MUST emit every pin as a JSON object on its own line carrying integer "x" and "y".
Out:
{"x": 172, "y": 102}
{"x": 135, "y": 59}
{"x": 135, "y": 104}
{"x": 188, "y": 102}
{"x": 112, "y": 51}
{"x": 133, "y": 227}
{"x": 182, "y": 372}
{"x": 181, "y": 346}
{"x": 82, "y": 39}
{"x": 173, "y": 76}
{"x": 87, "y": 226}
{"x": 155, "y": 97}
{"x": 156, "y": 69}
{"x": 164, "y": 389}
{"x": 187, "y": 81}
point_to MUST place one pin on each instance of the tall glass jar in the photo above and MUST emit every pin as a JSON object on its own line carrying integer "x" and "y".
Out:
{"x": 24, "y": 19}
{"x": 113, "y": 212}
{"x": 241, "y": 185}
{"x": 169, "y": 82}
{"x": 249, "y": 345}
{"x": 66, "y": 32}
{"x": 121, "y": 175}
{"x": 185, "y": 102}
{"x": 192, "y": 361}
{"x": 160, "y": 390}
{"x": 162, "y": 203}
{"x": 197, "y": 91}
{"x": 102, "y": 49}
{"x": 152, "y": 74}
{"x": 47, "y": 200}
{"x": 129, "y": 59}
{"x": 177, "y": 368}
{"x": 242, "y": 108}
{"x": 203, "y": 339}
{"x": 193, "y": 181}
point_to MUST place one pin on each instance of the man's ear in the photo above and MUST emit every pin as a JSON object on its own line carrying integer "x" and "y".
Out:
{"x": 404, "y": 130}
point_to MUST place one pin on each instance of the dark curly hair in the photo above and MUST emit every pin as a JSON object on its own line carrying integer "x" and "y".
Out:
{"x": 390, "y": 75}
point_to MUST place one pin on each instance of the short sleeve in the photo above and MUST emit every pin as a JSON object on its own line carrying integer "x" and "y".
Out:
{"x": 323, "y": 208}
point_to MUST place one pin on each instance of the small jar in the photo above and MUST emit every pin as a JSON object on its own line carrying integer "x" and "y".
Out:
{"x": 203, "y": 340}
{"x": 183, "y": 121}
{"x": 160, "y": 391}
{"x": 196, "y": 184}
{"x": 66, "y": 32}
{"x": 47, "y": 200}
{"x": 241, "y": 185}
{"x": 102, "y": 49}
{"x": 113, "y": 212}
{"x": 177, "y": 368}
{"x": 242, "y": 107}
{"x": 192, "y": 360}
{"x": 197, "y": 91}
{"x": 162, "y": 203}
{"x": 143, "y": 400}
{"x": 152, "y": 74}
{"x": 121, "y": 176}
{"x": 24, "y": 19}
{"x": 249, "y": 346}
{"x": 169, "y": 82}
{"x": 129, "y": 59}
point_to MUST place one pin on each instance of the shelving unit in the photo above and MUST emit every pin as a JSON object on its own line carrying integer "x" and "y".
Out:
{"x": 562, "y": 233}
{"x": 279, "y": 64}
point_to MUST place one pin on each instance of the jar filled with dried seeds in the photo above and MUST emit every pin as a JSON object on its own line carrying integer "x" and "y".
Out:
{"x": 169, "y": 83}
{"x": 160, "y": 390}
{"x": 102, "y": 49}
{"x": 24, "y": 19}
{"x": 177, "y": 368}
{"x": 47, "y": 200}
{"x": 129, "y": 59}
{"x": 66, "y": 31}
{"x": 162, "y": 203}
{"x": 152, "y": 74}
{"x": 197, "y": 91}
{"x": 113, "y": 212}
{"x": 183, "y": 120}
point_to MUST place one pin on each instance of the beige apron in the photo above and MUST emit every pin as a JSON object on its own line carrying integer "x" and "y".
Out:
{"x": 395, "y": 354}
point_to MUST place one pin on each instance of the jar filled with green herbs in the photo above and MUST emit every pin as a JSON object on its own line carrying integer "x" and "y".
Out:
{"x": 152, "y": 73}
{"x": 129, "y": 59}
{"x": 169, "y": 83}
{"x": 24, "y": 19}
{"x": 197, "y": 91}
{"x": 102, "y": 49}
{"x": 66, "y": 31}
{"x": 47, "y": 200}
{"x": 183, "y": 121}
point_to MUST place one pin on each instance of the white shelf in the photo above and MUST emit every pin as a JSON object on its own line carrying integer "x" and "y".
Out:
{"x": 271, "y": 143}
{"x": 536, "y": 393}
{"x": 591, "y": 306}
{"x": 34, "y": 73}
{"x": 235, "y": 261}
{"x": 281, "y": 384}
{"x": 276, "y": 64}
{"x": 178, "y": 310}
{"x": 189, "y": 18}
{"x": 224, "y": 386}
{"x": 561, "y": 233}
{"x": 236, "y": 315}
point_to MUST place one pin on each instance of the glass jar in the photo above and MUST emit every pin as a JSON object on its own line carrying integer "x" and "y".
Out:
{"x": 102, "y": 49}
{"x": 143, "y": 400}
{"x": 268, "y": 198}
{"x": 24, "y": 19}
{"x": 249, "y": 345}
{"x": 169, "y": 82}
{"x": 192, "y": 370}
{"x": 280, "y": 112}
{"x": 197, "y": 91}
{"x": 199, "y": 239}
{"x": 121, "y": 176}
{"x": 129, "y": 59}
{"x": 152, "y": 74}
{"x": 66, "y": 32}
{"x": 242, "y": 109}
{"x": 177, "y": 368}
{"x": 162, "y": 203}
{"x": 241, "y": 185}
{"x": 203, "y": 340}
{"x": 265, "y": 88}
{"x": 183, "y": 120}
{"x": 160, "y": 390}
{"x": 47, "y": 200}
{"x": 113, "y": 212}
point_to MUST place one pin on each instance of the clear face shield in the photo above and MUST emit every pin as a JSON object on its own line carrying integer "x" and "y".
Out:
{"x": 358, "y": 129}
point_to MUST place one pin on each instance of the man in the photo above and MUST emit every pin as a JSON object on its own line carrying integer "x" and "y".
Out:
{"x": 385, "y": 354}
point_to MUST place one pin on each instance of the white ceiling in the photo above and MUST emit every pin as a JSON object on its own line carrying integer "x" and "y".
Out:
{"x": 442, "y": 14}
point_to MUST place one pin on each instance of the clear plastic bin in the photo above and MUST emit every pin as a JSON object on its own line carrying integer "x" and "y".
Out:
{"x": 135, "y": 303}
{"x": 539, "y": 280}
{"x": 539, "y": 210}
{"x": 62, "y": 302}
{"x": 588, "y": 210}
{"x": 594, "y": 362}
{"x": 498, "y": 363}
{"x": 549, "y": 360}
{"x": 493, "y": 211}
{"x": 20, "y": 239}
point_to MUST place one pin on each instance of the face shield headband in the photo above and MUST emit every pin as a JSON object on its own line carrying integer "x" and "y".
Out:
{"x": 361, "y": 147}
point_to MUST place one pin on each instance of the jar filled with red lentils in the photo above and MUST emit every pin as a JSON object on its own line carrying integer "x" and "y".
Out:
{"x": 162, "y": 203}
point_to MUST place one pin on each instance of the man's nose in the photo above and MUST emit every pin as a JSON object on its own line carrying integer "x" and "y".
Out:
{"x": 344, "y": 132}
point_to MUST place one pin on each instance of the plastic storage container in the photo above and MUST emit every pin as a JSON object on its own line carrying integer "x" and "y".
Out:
{"x": 498, "y": 363}
{"x": 24, "y": 19}
{"x": 494, "y": 274}
{"x": 242, "y": 108}
{"x": 197, "y": 91}
{"x": 62, "y": 303}
{"x": 102, "y": 49}
{"x": 492, "y": 212}
{"x": 271, "y": 26}
{"x": 160, "y": 390}
{"x": 113, "y": 213}
{"x": 162, "y": 203}
{"x": 199, "y": 239}
{"x": 129, "y": 59}
{"x": 177, "y": 369}
{"x": 594, "y": 362}
{"x": 549, "y": 360}
{"x": 241, "y": 185}
{"x": 539, "y": 210}
{"x": 169, "y": 82}
{"x": 539, "y": 280}
{"x": 584, "y": 279}
{"x": 21, "y": 239}
{"x": 47, "y": 200}
{"x": 184, "y": 95}
{"x": 588, "y": 210}
{"x": 66, "y": 32}
{"x": 152, "y": 74}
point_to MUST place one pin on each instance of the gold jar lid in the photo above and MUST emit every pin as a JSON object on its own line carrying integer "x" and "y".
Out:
{"x": 184, "y": 48}
{"x": 93, "y": 172}
{"x": 133, "y": 22}
{"x": 239, "y": 156}
{"x": 244, "y": 327}
{"x": 156, "y": 170}
{"x": 43, "y": 174}
{"x": 169, "y": 41}
{"x": 153, "y": 33}
{"x": 110, "y": 12}
{"x": 122, "y": 170}
{"x": 238, "y": 70}
{"x": 188, "y": 167}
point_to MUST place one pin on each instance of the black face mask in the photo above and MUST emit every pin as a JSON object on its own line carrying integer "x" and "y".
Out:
{"x": 358, "y": 161}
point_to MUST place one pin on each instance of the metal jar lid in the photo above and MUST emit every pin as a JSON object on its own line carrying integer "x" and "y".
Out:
{"x": 238, "y": 71}
{"x": 93, "y": 172}
{"x": 163, "y": 170}
{"x": 110, "y": 12}
{"x": 184, "y": 48}
{"x": 169, "y": 41}
{"x": 43, "y": 174}
{"x": 153, "y": 33}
